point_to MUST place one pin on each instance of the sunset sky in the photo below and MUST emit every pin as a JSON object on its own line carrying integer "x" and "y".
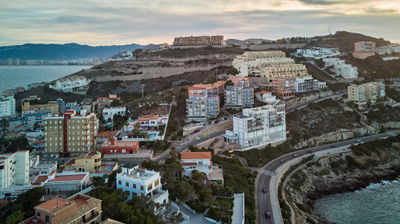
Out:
{"x": 105, "y": 22}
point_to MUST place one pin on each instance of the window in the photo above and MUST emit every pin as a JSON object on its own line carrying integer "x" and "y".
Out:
{"x": 134, "y": 186}
{"x": 47, "y": 219}
{"x": 119, "y": 182}
{"x": 38, "y": 214}
{"x": 127, "y": 184}
{"x": 141, "y": 188}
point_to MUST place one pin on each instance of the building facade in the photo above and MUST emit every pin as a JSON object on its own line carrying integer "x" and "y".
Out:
{"x": 366, "y": 92}
{"x": 7, "y": 106}
{"x": 305, "y": 85}
{"x": 90, "y": 162}
{"x": 200, "y": 161}
{"x": 74, "y": 210}
{"x": 204, "y": 101}
{"x": 14, "y": 172}
{"x": 113, "y": 146}
{"x": 142, "y": 182}
{"x": 28, "y": 108}
{"x": 364, "y": 49}
{"x": 283, "y": 88}
{"x": 70, "y": 134}
{"x": 199, "y": 41}
{"x": 258, "y": 127}
{"x": 108, "y": 113}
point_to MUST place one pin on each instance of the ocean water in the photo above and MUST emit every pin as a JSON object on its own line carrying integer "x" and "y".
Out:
{"x": 15, "y": 76}
{"x": 376, "y": 204}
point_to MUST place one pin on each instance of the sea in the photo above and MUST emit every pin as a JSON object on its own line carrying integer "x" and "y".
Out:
{"x": 379, "y": 203}
{"x": 12, "y": 77}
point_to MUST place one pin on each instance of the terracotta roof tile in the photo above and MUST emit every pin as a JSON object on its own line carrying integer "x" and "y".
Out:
{"x": 196, "y": 155}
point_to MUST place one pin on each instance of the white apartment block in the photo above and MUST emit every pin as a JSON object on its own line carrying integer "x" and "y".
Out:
{"x": 200, "y": 161}
{"x": 366, "y": 92}
{"x": 341, "y": 68}
{"x": 388, "y": 49}
{"x": 258, "y": 127}
{"x": 239, "y": 97}
{"x": 14, "y": 173}
{"x": 142, "y": 182}
{"x": 108, "y": 113}
{"x": 317, "y": 52}
{"x": 7, "y": 106}
{"x": 70, "y": 84}
{"x": 305, "y": 85}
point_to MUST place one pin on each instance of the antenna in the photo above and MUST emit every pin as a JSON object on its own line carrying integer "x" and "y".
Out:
{"x": 330, "y": 31}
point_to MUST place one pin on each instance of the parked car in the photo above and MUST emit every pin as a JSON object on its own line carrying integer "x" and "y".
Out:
{"x": 264, "y": 190}
{"x": 295, "y": 155}
{"x": 267, "y": 215}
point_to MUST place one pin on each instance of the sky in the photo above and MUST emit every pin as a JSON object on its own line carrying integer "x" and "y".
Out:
{"x": 107, "y": 22}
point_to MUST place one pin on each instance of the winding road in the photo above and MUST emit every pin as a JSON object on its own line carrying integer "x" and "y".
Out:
{"x": 267, "y": 177}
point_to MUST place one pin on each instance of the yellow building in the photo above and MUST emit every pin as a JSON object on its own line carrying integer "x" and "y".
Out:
{"x": 70, "y": 134}
{"x": 90, "y": 162}
{"x": 366, "y": 92}
{"x": 52, "y": 107}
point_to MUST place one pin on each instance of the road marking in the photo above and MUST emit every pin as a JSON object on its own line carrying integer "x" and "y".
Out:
{"x": 268, "y": 172}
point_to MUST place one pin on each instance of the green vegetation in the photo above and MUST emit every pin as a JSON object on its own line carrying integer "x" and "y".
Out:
{"x": 23, "y": 207}
{"x": 382, "y": 114}
{"x": 177, "y": 116}
{"x": 14, "y": 144}
{"x": 156, "y": 145}
{"x": 259, "y": 157}
{"x": 374, "y": 67}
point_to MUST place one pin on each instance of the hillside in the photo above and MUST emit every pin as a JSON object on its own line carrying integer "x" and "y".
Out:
{"x": 61, "y": 51}
{"x": 344, "y": 40}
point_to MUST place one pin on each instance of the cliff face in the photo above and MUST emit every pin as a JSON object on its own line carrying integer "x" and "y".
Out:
{"x": 366, "y": 163}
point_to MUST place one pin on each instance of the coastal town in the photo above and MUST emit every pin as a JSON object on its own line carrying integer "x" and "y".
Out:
{"x": 221, "y": 148}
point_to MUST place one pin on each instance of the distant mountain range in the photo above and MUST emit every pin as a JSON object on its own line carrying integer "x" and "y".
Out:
{"x": 63, "y": 51}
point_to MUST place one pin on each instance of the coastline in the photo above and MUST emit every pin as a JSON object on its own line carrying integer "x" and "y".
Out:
{"x": 346, "y": 172}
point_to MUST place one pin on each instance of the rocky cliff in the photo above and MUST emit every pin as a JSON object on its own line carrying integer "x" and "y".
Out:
{"x": 366, "y": 163}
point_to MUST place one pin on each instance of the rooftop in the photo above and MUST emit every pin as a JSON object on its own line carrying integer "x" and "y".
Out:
{"x": 54, "y": 204}
{"x": 120, "y": 143}
{"x": 196, "y": 155}
{"x": 107, "y": 134}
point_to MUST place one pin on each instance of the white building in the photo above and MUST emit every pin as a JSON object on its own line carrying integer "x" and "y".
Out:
{"x": 63, "y": 182}
{"x": 14, "y": 173}
{"x": 151, "y": 120}
{"x": 108, "y": 113}
{"x": 138, "y": 182}
{"x": 305, "y": 85}
{"x": 388, "y": 49}
{"x": 7, "y": 106}
{"x": 341, "y": 68}
{"x": 71, "y": 84}
{"x": 266, "y": 97}
{"x": 200, "y": 161}
{"x": 317, "y": 52}
{"x": 258, "y": 127}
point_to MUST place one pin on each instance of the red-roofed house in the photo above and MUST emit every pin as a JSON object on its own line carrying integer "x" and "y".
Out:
{"x": 106, "y": 135}
{"x": 200, "y": 161}
{"x": 65, "y": 181}
{"x": 151, "y": 120}
{"x": 119, "y": 147}
{"x": 76, "y": 209}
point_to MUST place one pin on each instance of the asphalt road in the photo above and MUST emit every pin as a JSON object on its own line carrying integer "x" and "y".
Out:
{"x": 264, "y": 201}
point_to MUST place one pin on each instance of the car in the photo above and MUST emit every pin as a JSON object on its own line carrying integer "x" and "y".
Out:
{"x": 282, "y": 161}
{"x": 358, "y": 140}
{"x": 333, "y": 146}
{"x": 309, "y": 151}
{"x": 267, "y": 215}
{"x": 295, "y": 155}
{"x": 264, "y": 190}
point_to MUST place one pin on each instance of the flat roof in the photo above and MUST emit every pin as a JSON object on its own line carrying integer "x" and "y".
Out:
{"x": 54, "y": 204}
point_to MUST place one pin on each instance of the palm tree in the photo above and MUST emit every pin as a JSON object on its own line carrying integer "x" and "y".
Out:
{"x": 4, "y": 125}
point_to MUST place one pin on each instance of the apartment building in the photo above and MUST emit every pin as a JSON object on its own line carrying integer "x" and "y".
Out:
{"x": 108, "y": 113}
{"x": 317, "y": 52}
{"x": 7, "y": 106}
{"x": 283, "y": 88}
{"x": 71, "y": 84}
{"x": 28, "y": 121}
{"x": 366, "y": 92}
{"x": 258, "y": 127}
{"x": 70, "y": 134}
{"x": 347, "y": 71}
{"x": 28, "y": 108}
{"x": 204, "y": 101}
{"x": 268, "y": 64}
{"x": 76, "y": 209}
{"x": 90, "y": 162}
{"x": 305, "y": 85}
{"x": 364, "y": 49}
{"x": 141, "y": 182}
{"x": 14, "y": 173}
{"x": 113, "y": 146}
{"x": 240, "y": 95}
{"x": 217, "y": 40}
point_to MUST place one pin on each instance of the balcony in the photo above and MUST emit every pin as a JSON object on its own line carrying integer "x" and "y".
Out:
{"x": 91, "y": 219}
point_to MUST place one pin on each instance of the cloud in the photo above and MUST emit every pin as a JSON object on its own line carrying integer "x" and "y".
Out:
{"x": 132, "y": 21}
